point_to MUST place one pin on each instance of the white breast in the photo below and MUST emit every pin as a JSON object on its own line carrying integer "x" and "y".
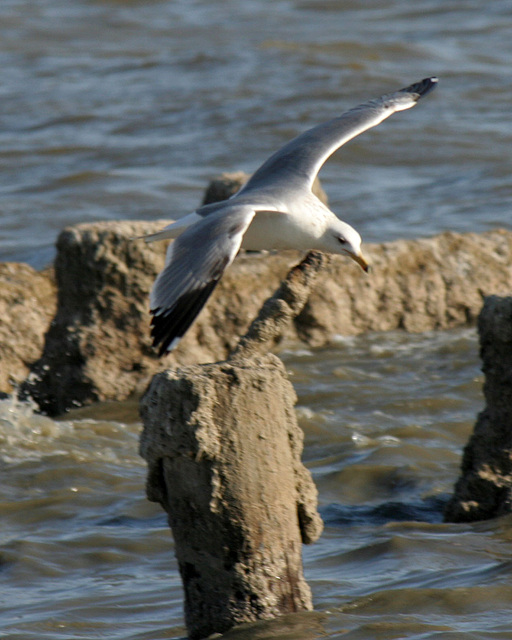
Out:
{"x": 273, "y": 230}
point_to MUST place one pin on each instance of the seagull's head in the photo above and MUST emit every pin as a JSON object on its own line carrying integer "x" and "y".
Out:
{"x": 344, "y": 239}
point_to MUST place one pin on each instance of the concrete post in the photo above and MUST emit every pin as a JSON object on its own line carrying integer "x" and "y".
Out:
{"x": 484, "y": 489}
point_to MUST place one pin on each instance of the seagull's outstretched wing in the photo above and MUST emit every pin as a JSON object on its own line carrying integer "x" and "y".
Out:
{"x": 302, "y": 158}
{"x": 194, "y": 264}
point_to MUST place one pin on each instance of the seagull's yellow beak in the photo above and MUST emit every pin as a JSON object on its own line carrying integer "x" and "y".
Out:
{"x": 361, "y": 261}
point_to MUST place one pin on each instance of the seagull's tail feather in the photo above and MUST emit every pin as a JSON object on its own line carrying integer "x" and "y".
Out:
{"x": 175, "y": 228}
{"x": 159, "y": 235}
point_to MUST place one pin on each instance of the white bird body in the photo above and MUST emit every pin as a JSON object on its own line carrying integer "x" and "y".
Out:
{"x": 286, "y": 229}
{"x": 276, "y": 209}
{"x": 273, "y": 228}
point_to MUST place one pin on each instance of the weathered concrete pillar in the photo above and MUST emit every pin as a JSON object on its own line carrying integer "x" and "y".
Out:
{"x": 223, "y": 449}
{"x": 484, "y": 489}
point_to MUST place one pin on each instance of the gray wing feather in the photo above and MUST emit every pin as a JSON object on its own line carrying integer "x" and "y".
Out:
{"x": 195, "y": 262}
{"x": 302, "y": 158}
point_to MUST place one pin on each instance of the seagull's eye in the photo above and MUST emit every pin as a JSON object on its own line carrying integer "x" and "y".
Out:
{"x": 342, "y": 240}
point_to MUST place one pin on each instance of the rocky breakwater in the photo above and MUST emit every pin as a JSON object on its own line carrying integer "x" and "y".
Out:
{"x": 484, "y": 489}
{"x": 96, "y": 343}
{"x": 98, "y": 347}
{"x": 27, "y": 306}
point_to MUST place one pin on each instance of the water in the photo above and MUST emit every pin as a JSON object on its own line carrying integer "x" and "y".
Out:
{"x": 115, "y": 109}
{"x": 84, "y": 555}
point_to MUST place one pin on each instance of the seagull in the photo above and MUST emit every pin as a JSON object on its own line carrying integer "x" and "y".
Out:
{"x": 276, "y": 209}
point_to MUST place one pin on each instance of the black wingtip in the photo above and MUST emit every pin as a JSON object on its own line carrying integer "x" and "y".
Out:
{"x": 169, "y": 326}
{"x": 422, "y": 87}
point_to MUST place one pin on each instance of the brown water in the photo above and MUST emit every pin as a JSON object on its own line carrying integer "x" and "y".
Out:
{"x": 114, "y": 109}
{"x": 84, "y": 555}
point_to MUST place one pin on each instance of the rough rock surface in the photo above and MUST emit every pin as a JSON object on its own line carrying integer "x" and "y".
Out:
{"x": 223, "y": 449}
{"x": 98, "y": 347}
{"x": 484, "y": 489}
{"x": 27, "y": 306}
{"x": 416, "y": 285}
{"x": 276, "y": 314}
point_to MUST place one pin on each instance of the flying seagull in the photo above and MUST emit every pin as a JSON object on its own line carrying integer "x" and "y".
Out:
{"x": 275, "y": 209}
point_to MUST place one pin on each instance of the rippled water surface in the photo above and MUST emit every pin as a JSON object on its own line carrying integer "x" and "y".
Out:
{"x": 84, "y": 555}
{"x": 113, "y": 109}
{"x": 118, "y": 109}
